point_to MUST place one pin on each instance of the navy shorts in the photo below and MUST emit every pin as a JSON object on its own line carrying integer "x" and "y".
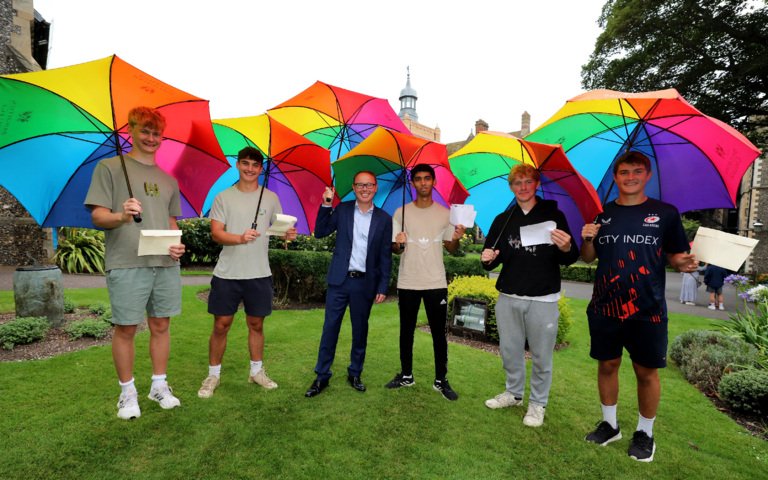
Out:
{"x": 645, "y": 341}
{"x": 255, "y": 294}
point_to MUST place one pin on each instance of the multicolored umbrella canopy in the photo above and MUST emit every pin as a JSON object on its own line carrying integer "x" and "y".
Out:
{"x": 390, "y": 156}
{"x": 299, "y": 170}
{"x": 57, "y": 124}
{"x": 697, "y": 161}
{"x": 336, "y": 118}
{"x": 483, "y": 167}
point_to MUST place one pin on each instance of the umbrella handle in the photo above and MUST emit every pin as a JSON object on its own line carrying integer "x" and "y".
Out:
{"x": 137, "y": 217}
{"x": 590, "y": 238}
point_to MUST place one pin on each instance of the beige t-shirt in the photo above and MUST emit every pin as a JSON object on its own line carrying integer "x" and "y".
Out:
{"x": 236, "y": 210}
{"x": 421, "y": 264}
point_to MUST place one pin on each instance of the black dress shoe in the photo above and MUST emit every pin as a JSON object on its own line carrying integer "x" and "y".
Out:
{"x": 356, "y": 383}
{"x": 316, "y": 387}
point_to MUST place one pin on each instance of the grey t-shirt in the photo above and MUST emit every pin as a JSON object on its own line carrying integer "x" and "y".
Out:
{"x": 236, "y": 210}
{"x": 158, "y": 193}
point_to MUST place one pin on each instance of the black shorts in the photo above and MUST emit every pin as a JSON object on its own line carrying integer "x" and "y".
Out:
{"x": 226, "y": 295}
{"x": 645, "y": 341}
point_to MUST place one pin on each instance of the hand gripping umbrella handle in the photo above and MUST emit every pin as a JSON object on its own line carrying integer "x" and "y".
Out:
{"x": 589, "y": 238}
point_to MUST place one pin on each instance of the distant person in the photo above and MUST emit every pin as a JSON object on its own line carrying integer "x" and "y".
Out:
{"x": 633, "y": 238}
{"x": 714, "y": 279}
{"x": 529, "y": 291}
{"x": 242, "y": 273}
{"x": 357, "y": 277}
{"x": 139, "y": 285}
{"x": 689, "y": 287}
{"x": 420, "y": 240}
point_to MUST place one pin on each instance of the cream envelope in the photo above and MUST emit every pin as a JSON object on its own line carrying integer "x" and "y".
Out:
{"x": 156, "y": 242}
{"x": 280, "y": 224}
{"x": 722, "y": 249}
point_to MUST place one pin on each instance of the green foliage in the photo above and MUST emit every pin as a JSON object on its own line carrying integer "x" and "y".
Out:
{"x": 80, "y": 250}
{"x": 704, "y": 356}
{"x": 462, "y": 267}
{"x": 746, "y": 391}
{"x": 474, "y": 248}
{"x": 298, "y": 275}
{"x": 750, "y": 325}
{"x": 578, "y": 272}
{"x": 564, "y": 321}
{"x": 97, "y": 308}
{"x": 22, "y": 331}
{"x": 87, "y": 327}
{"x": 308, "y": 243}
{"x": 69, "y": 305}
{"x": 691, "y": 227}
{"x": 712, "y": 51}
{"x": 196, "y": 237}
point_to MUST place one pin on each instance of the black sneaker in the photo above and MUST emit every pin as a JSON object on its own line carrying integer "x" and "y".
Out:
{"x": 401, "y": 380}
{"x": 642, "y": 447}
{"x": 445, "y": 389}
{"x": 604, "y": 434}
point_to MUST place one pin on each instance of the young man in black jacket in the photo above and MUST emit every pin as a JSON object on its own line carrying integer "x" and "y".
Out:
{"x": 529, "y": 290}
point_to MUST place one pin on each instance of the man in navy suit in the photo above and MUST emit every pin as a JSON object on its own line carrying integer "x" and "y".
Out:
{"x": 357, "y": 277}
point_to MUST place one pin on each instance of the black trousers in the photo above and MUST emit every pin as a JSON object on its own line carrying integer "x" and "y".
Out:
{"x": 436, "y": 307}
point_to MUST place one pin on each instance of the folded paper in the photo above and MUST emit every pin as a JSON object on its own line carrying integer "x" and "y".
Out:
{"x": 280, "y": 224}
{"x": 722, "y": 249}
{"x": 463, "y": 215}
{"x": 537, "y": 234}
{"x": 157, "y": 242}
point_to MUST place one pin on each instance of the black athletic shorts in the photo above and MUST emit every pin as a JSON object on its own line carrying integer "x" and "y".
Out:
{"x": 645, "y": 341}
{"x": 226, "y": 295}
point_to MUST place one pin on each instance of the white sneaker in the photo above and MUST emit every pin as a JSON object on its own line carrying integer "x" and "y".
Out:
{"x": 711, "y": 306}
{"x": 209, "y": 385}
{"x": 721, "y": 307}
{"x": 164, "y": 396}
{"x": 690, "y": 303}
{"x": 262, "y": 379}
{"x": 503, "y": 400}
{"x": 128, "y": 406}
{"x": 535, "y": 416}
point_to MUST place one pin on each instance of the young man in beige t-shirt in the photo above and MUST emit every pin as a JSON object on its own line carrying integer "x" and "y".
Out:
{"x": 420, "y": 238}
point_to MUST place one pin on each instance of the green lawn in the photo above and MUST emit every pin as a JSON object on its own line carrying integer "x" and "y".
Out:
{"x": 58, "y": 415}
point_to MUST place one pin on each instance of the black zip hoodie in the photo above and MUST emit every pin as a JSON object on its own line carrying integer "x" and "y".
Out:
{"x": 531, "y": 271}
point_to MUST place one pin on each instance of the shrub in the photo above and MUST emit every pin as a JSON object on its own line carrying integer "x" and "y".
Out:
{"x": 461, "y": 267}
{"x": 196, "y": 237}
{"x": 97, "y": 308}
{"x": 704, "y": 356}
{"x": 69, "y": 305}
{"x": 88, "y": 327}
{"x": 750, "y": 325}
{"x": 106, "y": 315}
{"x": 299, "y": 275}
{"x": 308, "y": 243}
{"x": 80, "y": 250}
{"x": 564, "y": 321}
{"x": 578, "y": 272}
{"x": 746, "y": 390}
{"x": 22, "y": 331}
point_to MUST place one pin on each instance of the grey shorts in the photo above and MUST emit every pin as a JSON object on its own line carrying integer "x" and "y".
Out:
{"x": 134, "y": 292}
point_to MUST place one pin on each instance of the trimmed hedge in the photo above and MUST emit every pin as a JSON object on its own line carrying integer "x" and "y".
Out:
{"x": 578, "y": 272}
{"x": 746, "y": 390}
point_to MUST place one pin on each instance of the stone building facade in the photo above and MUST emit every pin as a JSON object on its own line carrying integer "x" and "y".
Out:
{"x": 22, "y": 241}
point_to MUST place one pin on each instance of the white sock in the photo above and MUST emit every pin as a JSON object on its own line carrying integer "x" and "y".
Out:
{"x": 255, "y": 367}
{"x": 158, "y": 380}
{"x": 645, "y": 424}
{"x": 609, "y": 414}
{"x": 214, "y": 370}
{"x": 127, "y": 387}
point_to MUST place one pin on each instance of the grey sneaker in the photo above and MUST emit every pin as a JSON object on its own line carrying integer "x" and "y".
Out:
{"x": 535, "y": 415}
{"x": 209, "y": 386}
{"x": 401, "y": 380}
{"x": 503, "y": 400}
{"x": 261, "y": 378}
{"x": 128, "y": 406}
{"x": 604, "y": 434}
{"x": 164, "y": 396}
{"x": 642, "y": 447}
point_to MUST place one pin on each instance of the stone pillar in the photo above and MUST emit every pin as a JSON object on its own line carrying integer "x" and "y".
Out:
{"x": 39, "y": 292}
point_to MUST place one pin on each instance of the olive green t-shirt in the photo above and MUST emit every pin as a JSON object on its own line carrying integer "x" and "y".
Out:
{"x": 158, "y": 193}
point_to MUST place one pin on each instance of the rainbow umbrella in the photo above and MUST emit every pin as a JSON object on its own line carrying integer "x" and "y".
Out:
{"x": 483, "y": 167}
{"x": 336, "y": 118}
{"x": 390, "y": 156}
{"x": 57, "y": 124}
{"x": 298, "y": 170}
{"x": 697, "y": 161}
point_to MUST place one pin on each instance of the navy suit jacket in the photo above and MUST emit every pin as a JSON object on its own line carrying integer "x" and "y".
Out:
{"x": 378, "y": 259}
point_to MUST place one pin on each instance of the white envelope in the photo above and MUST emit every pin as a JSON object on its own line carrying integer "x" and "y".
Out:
{"x": 463, "y": 215}
{"x": 156, "y": 242}
{"x": 722, "y": 249}
{"x": 280, "y": 224}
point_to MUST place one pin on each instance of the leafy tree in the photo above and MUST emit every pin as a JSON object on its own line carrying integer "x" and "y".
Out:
{"x": 714, "y": 52}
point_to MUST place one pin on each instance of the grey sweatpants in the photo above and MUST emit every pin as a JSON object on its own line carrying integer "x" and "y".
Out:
{"x": 517, "y": 320}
